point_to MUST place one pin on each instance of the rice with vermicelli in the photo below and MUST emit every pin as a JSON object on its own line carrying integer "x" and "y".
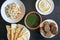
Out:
{"x": 13, "y": 11}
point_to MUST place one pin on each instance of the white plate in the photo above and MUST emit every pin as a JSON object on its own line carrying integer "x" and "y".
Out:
{"x": 49, "y": 20}
{"x": 3, "y": 14}
{"x": 27, "y": 36}
{"x": 45, "y": 13}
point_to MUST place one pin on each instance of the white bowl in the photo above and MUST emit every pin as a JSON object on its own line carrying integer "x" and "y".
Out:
{"x": 3, "y": 14}
{"x": 45, "y": 13}
{"x": 49, "y": 20}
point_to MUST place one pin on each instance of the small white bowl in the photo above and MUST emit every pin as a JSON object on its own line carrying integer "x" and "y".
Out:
{"x": 49, "y": 20}
{"x": 3, "y": 13}
{"x": 45, "y": 13}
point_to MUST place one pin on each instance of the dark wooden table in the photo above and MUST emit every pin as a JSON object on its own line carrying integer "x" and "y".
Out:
{"x": 30, "y": 6}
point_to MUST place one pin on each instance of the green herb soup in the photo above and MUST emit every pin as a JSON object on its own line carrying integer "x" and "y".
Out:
{"x": 33, "y": 20}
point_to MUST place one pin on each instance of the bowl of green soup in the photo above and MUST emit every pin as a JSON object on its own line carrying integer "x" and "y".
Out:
{"x": 33, "y": 20}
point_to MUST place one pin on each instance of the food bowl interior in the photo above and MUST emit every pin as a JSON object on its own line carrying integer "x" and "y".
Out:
{"x": 3, "y": 13}
{"x": 39, "y": 16}
{"x": 48, "y": 20}
{"x": 45, "y": 13}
